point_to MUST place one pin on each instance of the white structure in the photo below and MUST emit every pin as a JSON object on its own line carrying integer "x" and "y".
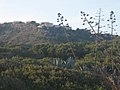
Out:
{"x": 46, "y": 24}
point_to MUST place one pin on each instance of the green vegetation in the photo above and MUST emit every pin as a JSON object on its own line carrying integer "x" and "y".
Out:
{"x": 45, "y": 66}
{"x": 28, "y": 74}
{"x": 43, "y": 59}
{"x": 20, "y": 33}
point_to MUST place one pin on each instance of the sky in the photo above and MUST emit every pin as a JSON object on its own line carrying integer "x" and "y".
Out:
{"x": 46, "y": 11}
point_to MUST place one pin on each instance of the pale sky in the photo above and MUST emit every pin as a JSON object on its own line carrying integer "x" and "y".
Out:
{"x": 46, "y": 10}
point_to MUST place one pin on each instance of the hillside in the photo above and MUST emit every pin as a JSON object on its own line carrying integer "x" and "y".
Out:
{"x": 42, "y": 57}
{"x": 17, "y": 33}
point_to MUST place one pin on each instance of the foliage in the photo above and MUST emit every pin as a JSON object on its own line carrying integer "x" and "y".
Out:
{"x": 30, "y": 33}
{"x": 29, "y": 74}
{"x": 47, "y": 66}
{"x": 47, "y": 62}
